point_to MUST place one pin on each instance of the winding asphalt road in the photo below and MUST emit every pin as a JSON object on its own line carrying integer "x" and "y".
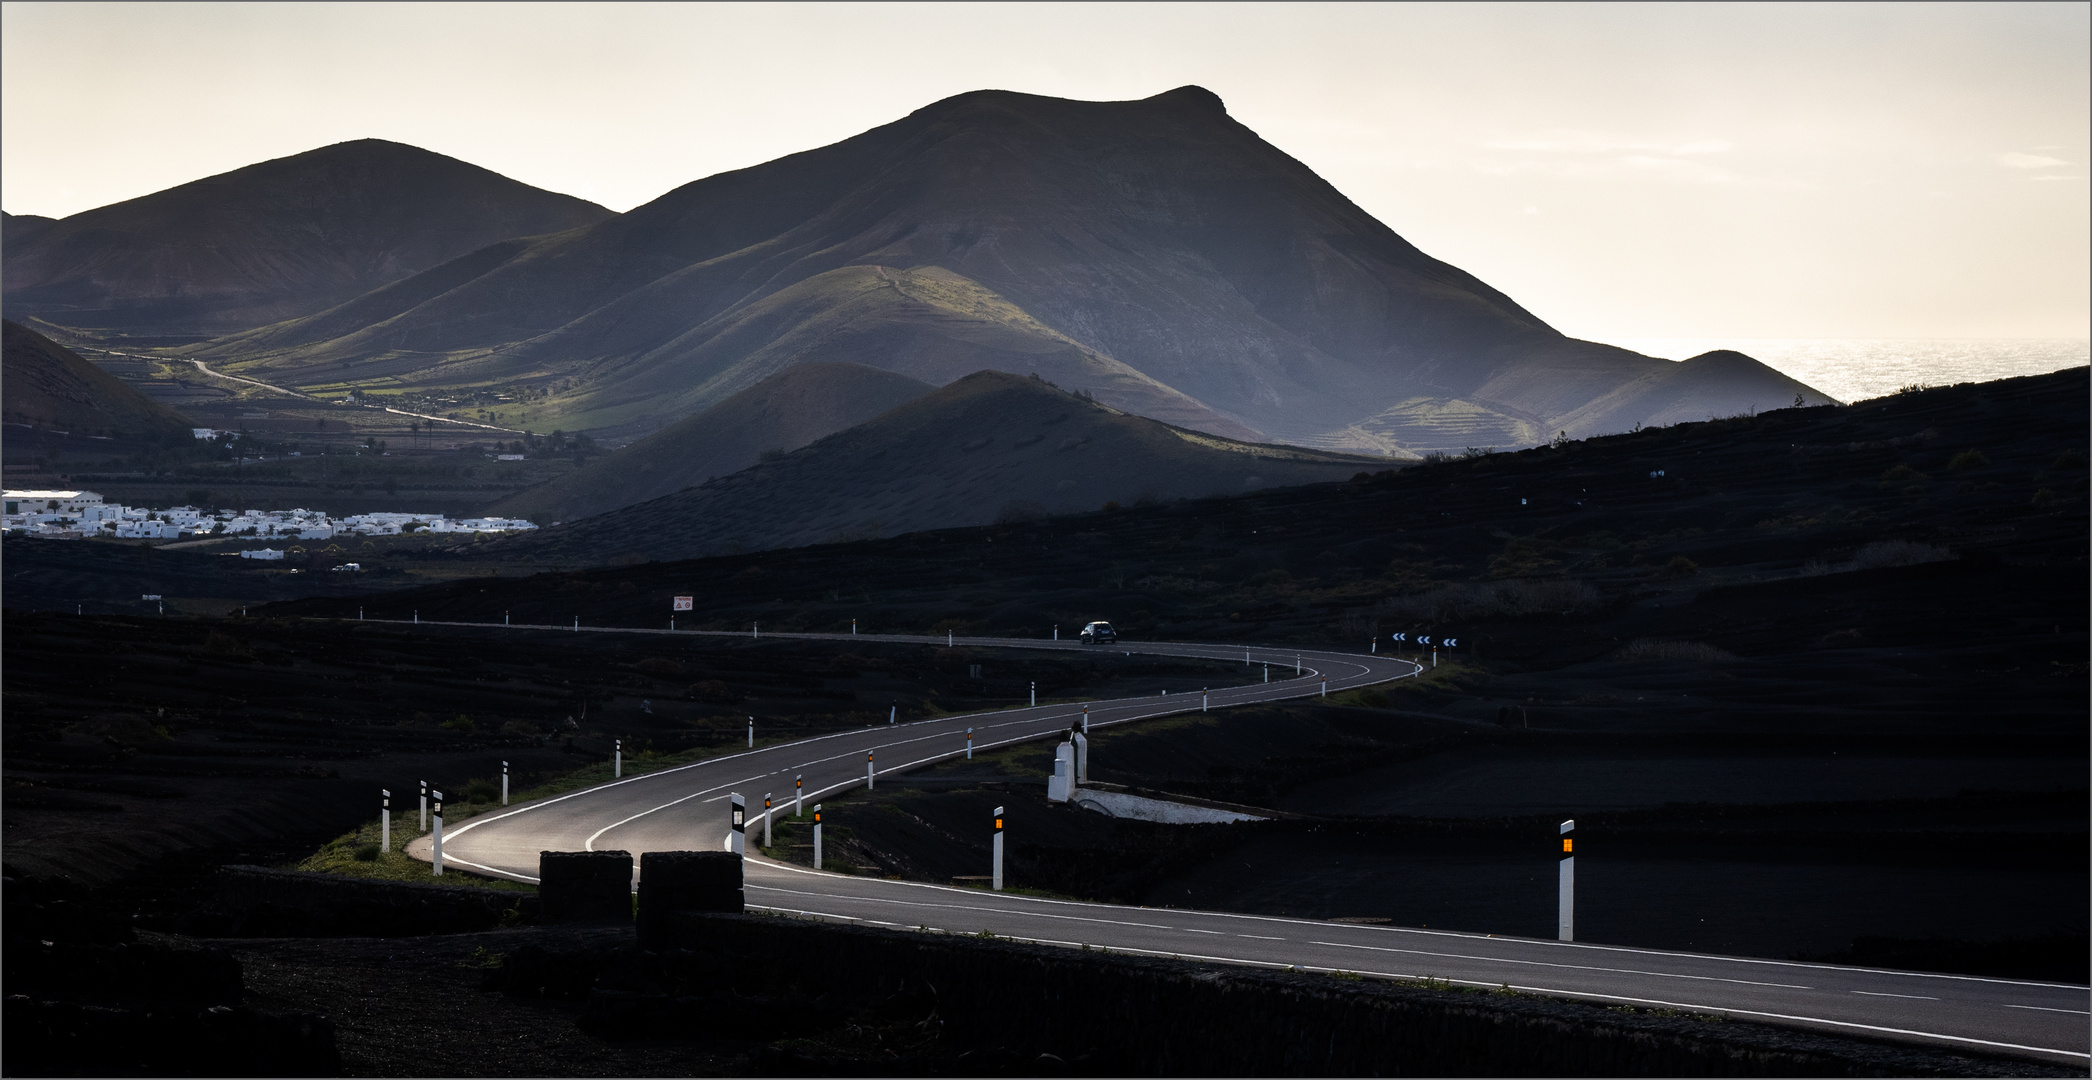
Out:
{"x": 685, "y": 808}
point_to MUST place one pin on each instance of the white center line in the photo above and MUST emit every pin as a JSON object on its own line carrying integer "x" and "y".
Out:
{"x": 1912, "y": 997}
{"x": 2038, "y": 1008}
{"x": 1261, "y": 937}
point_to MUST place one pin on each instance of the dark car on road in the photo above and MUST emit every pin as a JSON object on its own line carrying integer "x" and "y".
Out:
{"x": 1097, "y": 633}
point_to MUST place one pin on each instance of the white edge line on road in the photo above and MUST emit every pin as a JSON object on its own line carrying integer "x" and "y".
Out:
{"x": 1572, "y": 967}
{"x": 2038, "y": 1008}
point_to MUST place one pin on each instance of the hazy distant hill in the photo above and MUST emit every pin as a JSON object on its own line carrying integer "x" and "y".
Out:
{"x": 45, "y": 385}
{"x": 272, "y": 241}
{"x": 783, "y": 412}
{"x": 1155, "y": 252}
{"x": 989, "y": 446}
{"x": 21, "y": 228}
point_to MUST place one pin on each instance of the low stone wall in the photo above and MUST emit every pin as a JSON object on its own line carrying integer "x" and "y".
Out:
{"x": 673, "y": 882}
{"x": 585, "y": 886}
{"x": 254, "y": 901}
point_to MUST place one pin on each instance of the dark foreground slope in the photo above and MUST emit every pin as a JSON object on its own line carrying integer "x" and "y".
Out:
{"x": 271, "y": 241}
{"x": 1156, "y": 252}
{"x": 987, "y": 447}
{"x": 784, "y": 412}
{"x": 47, "y": 385}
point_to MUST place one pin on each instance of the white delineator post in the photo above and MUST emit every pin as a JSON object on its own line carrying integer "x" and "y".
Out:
{"x": 737, "y": 840}
{"x": 995, "y": 880}
{"x": 969, "y": 744}
{"x": 1082, "y": 758}
{"x": 1085, "y": 719}
{"x": 870, "y": 772}
{"x": 1267, "y": 672}
{"x": 1325, "y": 686}
{"x": 799, "y": 795}
{"x": 817, "y": 836}
{"x": 766, "y": 820}
{"x": 1035, "y": 695}
{"x": 891, "y": 712}
{"x": 1565, "y": 901}
{"x": 436, "y": 849}
{"x": 504, "y": 783}
{"x": 384, "y": 820}
{"x": 853, "y": 627}
{"x": 421, "y": 816}
{"x": 617, "y": 759}
{"x": 947, "y": 639}
{"x": 1205, "y": 696}
{"x": 751, "y": 733}
{"x": 1296, "y": 666}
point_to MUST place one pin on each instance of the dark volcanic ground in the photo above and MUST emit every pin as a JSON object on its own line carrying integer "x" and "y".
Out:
{"x": 1818, "y": 689}
{"x": 134, "y": 743}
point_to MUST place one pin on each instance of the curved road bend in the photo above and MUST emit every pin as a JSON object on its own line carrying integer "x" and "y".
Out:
{"x": 685, "y": 809}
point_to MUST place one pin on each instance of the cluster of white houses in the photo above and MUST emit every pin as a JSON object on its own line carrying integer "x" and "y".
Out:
{"x": 79, "y": 514}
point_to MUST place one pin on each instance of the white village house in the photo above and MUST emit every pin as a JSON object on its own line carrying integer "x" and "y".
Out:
{"x": 76, "y": 514}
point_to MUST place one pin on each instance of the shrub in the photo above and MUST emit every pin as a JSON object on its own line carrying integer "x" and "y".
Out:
{"x": 522, "y": 727}
{"x": 366, "y": 853}
{"x": 1901, "y": 476}
{"x": 1019, "y": 511}
{"x": 459, "y": 723}
{"x": 1968, "y": 459}
{"x": 1883, "y": 553}
{"x": 1651, "y": 649}
{"x": 2043, "y": 497}
{"x": 482, "y": 790}
{"x": 1458, "y": 601}
{"x": 714, "y": 691}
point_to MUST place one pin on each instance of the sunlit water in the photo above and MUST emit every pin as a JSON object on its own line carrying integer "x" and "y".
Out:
{"x": 1851, "y": 369}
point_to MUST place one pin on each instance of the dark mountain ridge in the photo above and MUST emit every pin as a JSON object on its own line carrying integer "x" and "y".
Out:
{"x": 989, "y": 446}
{"x": 784, "y": 412}
{"x": 48, "y": 386}
{"x": 1173, "y": 263}
{"x": 275, "y": 240}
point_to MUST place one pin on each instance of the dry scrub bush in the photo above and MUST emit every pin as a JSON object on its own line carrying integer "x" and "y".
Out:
{"x": 1650, "y": 649}
{"x": 1883, "y": 553}
{"x": 1456, "y": 601}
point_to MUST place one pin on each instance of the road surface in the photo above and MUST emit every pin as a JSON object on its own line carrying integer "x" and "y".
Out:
{"x": 686, "y": 809}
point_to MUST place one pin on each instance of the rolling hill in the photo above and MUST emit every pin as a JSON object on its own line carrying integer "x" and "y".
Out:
{"x": 272, "y": 241}
{"x": 988, "y": 447}
{"x": 46, "y": 385}
{"x": 1156, "y": 253}
{"x": 784, "y": 412}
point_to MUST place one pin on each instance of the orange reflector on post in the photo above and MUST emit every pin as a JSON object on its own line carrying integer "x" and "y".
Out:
{"x": 1566, "y": 842}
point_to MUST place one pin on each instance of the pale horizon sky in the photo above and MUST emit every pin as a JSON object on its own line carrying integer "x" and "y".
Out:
{"x": 1624, "y": 171}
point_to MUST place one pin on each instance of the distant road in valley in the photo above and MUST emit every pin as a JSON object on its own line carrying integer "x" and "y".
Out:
{"x": 685, "y": 808}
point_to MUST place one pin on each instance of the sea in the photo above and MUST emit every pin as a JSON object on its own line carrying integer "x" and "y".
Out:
{"x": 1853, "y": 369}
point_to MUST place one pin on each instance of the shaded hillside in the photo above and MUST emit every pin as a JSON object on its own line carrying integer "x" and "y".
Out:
{"x": 21, "y": 228}
{"x": 46, "y": 385}
{"x": 1156, "y": 253}
{"x": 784, "y": 412}
{"x": 1841, "y": 539}
{"x": 272, "y": 241}
{"x": 988, "y": 446}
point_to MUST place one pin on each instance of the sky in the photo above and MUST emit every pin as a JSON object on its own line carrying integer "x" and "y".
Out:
{"x": 1623, "y": 171}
